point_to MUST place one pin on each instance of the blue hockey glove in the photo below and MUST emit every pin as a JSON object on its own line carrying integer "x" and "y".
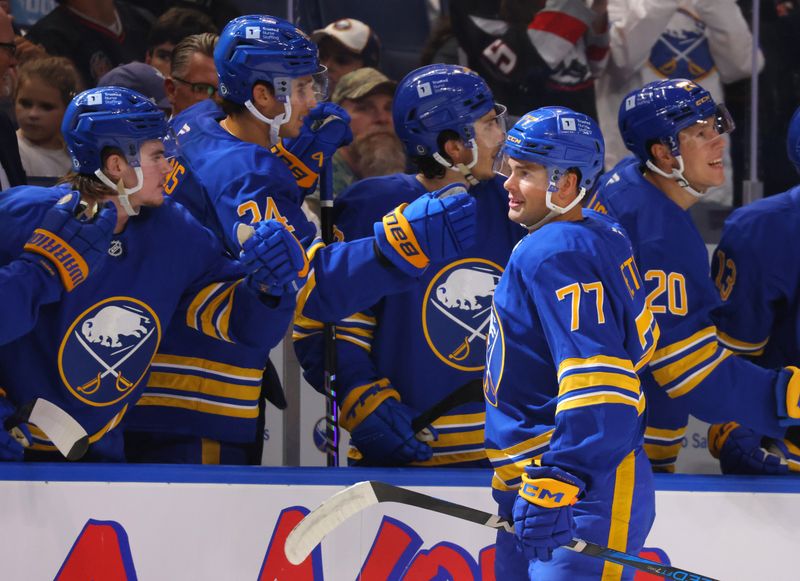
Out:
{"x": 542, "y": 512}
{"x": 325, "y": 129}
{"x": 72, "y": 246}
{"x": 385, "y": 437}
{"x": 273, "y": 257}
{"x": 740, "y": 451}
{"x": 12, "y": 442}
{"x": 435, "y": 227}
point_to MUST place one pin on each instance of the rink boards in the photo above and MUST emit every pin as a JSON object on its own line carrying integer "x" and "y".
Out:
{"x": 218, "y": 523}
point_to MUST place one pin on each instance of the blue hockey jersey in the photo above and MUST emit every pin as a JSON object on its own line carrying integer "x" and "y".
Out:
{"x": 200, "y": 387}
{"x": 422, "y": 344}
{"x": 24, "y": 288}
{"x": 759, "y": 281}
{"x": 90, "y": 353}
{"x": 690, "y": 366}
{"x": 568, "y": 333}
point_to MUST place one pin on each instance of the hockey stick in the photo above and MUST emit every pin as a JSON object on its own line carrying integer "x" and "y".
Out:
{"x": 329, "y": 330}
{"x": 66, "y": 434}
{"x": 310, "y": 531}
{"x": 470, "y": 391}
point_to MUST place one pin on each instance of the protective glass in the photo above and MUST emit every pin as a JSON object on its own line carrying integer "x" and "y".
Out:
{"x": 711, "y": 128}
{"x": 169, "y": 141}
{"x": 311, "y": 88}
{"x": 492, "y": 130}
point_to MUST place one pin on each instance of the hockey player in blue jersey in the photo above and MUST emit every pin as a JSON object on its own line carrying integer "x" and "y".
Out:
{"x": 760, "y": 313}
{"x": 28, "y": 283}
{"x": 90, "y": 352}
{"x": 568, "y": 333}
{"x": 245, "y": 162}
{"x": 674, "y": 128}
{"x": 452, "y": 129}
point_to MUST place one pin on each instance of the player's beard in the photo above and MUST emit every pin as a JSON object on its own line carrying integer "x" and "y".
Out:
{"x": 378, "y": 154}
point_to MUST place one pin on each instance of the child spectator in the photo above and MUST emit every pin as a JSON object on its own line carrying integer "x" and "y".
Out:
{"x": 44, "y": 89}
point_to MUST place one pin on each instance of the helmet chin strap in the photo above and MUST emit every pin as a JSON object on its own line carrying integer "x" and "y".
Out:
{"x": 677, "y": 175}
{"x": 460, "y": 167}
{"x": 123, "y": 193}
{"x": 274, "y": 124}
{"x": 555, "y": 209}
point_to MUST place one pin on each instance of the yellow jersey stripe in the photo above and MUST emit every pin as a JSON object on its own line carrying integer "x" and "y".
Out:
{"x": 521, "y": 448}
{"x": 598, "y": 379}
{"x": 210, "y": 451}
{"x": 207, "y": 313}
{"x": 664, "y": 434}
{"x": 200, "y": 405}
{"x": 461, "y": 420}
{"x": 680, "y": 346}
{"x": 660, "y": 452}
{"x": 204, "y": 386}
{"x": 695, "y": 378}
{"x": 363, "y": 344}
{"x": 207, "y": 366}
{"x": 742, "y": 346}
{"x": 459, "y": 439}
{"x": 672, "y": 371}
{"x": 597, "y": 361}
{"x": 597, "y": 398}
{"x": 224, "y": 318}
{"x": 621, "y": 505}
{"x": 197, "y": 303}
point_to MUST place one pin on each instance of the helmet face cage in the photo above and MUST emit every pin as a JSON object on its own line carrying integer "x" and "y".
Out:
{"x": 558, "y": 139}
{"x": 660, "y": 110}
{"x": 437, "y": 98}
{"x": 264, "y": 48}
{"x": 111, "y": 117}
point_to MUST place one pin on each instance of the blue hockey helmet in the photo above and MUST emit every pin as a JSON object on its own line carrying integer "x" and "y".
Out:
{"x": 435, "y": 98}
{"x": 660, "y": 110}
{"x": 263, "y": 48}
{"x": 793, "y": 140}
{"x": 559, "y": 139}
{"x": 110, "y": 117}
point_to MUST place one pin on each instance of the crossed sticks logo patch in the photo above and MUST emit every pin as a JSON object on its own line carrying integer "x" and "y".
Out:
{"x": 106, "y": 351}
{"x": 456, "y": 312}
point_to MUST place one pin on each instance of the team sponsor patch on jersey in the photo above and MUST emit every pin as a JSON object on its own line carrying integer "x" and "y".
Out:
{"x": 106, "y": 351}
{"x": 456, "y": 312}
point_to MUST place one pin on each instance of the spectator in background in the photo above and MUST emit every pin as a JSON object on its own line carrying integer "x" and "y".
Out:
{"x": 193, "y": 75}
{"x": 142, "y": 78}
{"x": 705, "y": 41}
{"x": 44, "y": 89}
{"x": 367, "y": 95}
{"x": 169, "y": 29}
{"x": 96, "y": 35}
{"x": 344, "y": 46}
{"x": 11, "y": 172}
{"x": 535, "y": 53}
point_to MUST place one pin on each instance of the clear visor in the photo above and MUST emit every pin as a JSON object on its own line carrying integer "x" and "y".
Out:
{"x": 491, "y": 129}
{"x": 153, "y": 152}
{"x": 500, "y": 166}
{"x": 320, "y": 83}
{"x": 711, "y": 128}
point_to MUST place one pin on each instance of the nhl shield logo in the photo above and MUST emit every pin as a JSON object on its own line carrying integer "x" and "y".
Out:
{"x": 107, "y": 350}
{"x": 457, "y": 309}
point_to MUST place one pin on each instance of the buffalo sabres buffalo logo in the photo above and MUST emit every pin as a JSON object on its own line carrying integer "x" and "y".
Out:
{"x": 456, "y": 312}
{"x": 495, "y": 351}
{"x": 107, "y": 350}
